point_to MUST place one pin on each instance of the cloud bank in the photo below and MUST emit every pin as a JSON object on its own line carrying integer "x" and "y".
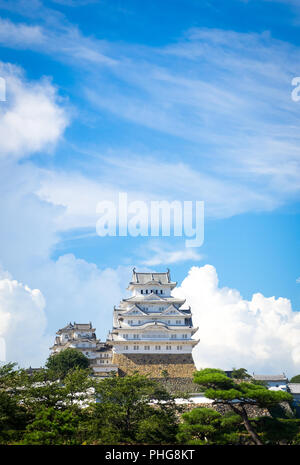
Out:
{"x": 261, "y": 334}
{"x": 22, "y": 323}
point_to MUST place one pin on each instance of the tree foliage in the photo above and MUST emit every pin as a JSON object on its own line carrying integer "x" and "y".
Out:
{"x": 41, "y": 407}
{"x": 238, "y": 396}
{"x": 69, "y": 359}
{"x": 240, "y": 373}
{"x": 207, "y": 426}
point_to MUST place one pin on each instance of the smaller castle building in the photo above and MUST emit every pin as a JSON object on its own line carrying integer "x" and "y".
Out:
{"x": 82, "y": 336}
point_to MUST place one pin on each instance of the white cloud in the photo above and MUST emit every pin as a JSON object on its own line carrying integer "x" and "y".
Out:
{"x": 61, "y": 39}
{"x": 261, "y": 335}
{"x": 76, "y": 290}
{"x": 31, "y": 119}
{"x": 158, "y": 255}
{"x": 22, "y": 323}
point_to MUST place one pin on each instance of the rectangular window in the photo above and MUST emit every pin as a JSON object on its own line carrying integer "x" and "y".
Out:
{"x": 142, "y": 291}
{"x": 179, "y": 347}
{"x": 157, "y": 347}
{"x": 146, "y": 347}
{"x": 169, "y": 347}
{"x": 136, "y": 347}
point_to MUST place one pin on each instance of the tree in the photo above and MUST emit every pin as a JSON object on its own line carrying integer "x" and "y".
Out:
{"x": 207, "y": 426}
{"x": 133, "y": 408}
{"x": 295, "y": 379}
{"x": 279, "y": 430}
{"x": 43, "y": 389}
{"x": 51, "y": 426}
{"x": 66, "y": 360}
{"x": 238, "y": 397}
{"x": 240, "y": 373}
{"x": 13, "y": 418}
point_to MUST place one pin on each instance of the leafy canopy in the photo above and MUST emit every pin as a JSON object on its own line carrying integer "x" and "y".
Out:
{"x": 66, "y": 360}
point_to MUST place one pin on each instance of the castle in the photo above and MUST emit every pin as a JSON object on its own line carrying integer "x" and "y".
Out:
{"x": 151, "y": 334}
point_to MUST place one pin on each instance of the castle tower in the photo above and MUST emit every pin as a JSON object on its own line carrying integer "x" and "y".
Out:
{"x": 82, "y": 336}
{"x": 151, "y": 333}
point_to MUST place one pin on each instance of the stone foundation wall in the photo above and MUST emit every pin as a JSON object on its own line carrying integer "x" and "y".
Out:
{"x": 177, "y": 386}
{"x": 176, "y": 366}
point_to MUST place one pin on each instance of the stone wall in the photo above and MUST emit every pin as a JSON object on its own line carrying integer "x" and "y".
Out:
{"x": 252, "y": 410}
{"x": 176, "y": 366}
{"x": 177, "y": 386}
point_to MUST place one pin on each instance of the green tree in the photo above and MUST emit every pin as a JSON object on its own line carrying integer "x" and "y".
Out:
{"x": 207, "y": 426}
{"x": 240, "y": 373}
{"x": 13, "y": 418}
{"x": 238, "y": 397}
{"x": 278, "y": 431}
{"x": 44, "y": 389}
{"x": 133, "y": 408}
{"x": 295, "y": 379}
{"x": 66, "y": 360}
{"x": 51, "y": 426}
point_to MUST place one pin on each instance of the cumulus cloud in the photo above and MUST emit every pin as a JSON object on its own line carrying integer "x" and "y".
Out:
{"x": 76, "y": 290}
{"x": 22, "y": 323}
{"x": 31, "y": 119}
{"x": 261, "y": 334}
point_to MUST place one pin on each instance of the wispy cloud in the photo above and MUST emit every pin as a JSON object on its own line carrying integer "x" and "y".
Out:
{"x": 160, "y": 255}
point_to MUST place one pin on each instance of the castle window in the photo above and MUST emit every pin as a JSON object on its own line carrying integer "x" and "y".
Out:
{"x": 142, "y": 291}
{"x": 156, "y": 291}
{"x": 136, "y": 347}
{"x": 157, "y": 347}
{"x": 179, "y": 347}
{"x": 161, "y": 291}
{"x": 169, "y": 347}
{"x": 126, "y": 347}
{"x": 184, "y": 336}
{"x": 146, "y": 347}
{"x": 173, "y": 336}
{"x": 146, "y": 291}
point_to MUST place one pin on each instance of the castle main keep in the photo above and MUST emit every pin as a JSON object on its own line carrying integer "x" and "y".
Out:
{"x": 152, "y": 333}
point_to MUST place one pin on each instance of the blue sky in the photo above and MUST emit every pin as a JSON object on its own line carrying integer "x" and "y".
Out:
{"x": 176, "y": 100}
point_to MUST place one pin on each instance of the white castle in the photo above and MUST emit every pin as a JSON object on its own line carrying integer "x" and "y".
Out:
{"x": 152, "y": 320}
{"x": 151, "y": 332}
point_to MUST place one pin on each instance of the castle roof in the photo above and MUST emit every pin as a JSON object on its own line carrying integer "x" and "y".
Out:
{"x": 270, "y": 377}
{"x": 151, "y": 278}
{"x": 78, "y": 326}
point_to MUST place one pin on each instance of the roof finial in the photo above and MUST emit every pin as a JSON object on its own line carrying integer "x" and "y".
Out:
{"x": 168, "y": 272}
